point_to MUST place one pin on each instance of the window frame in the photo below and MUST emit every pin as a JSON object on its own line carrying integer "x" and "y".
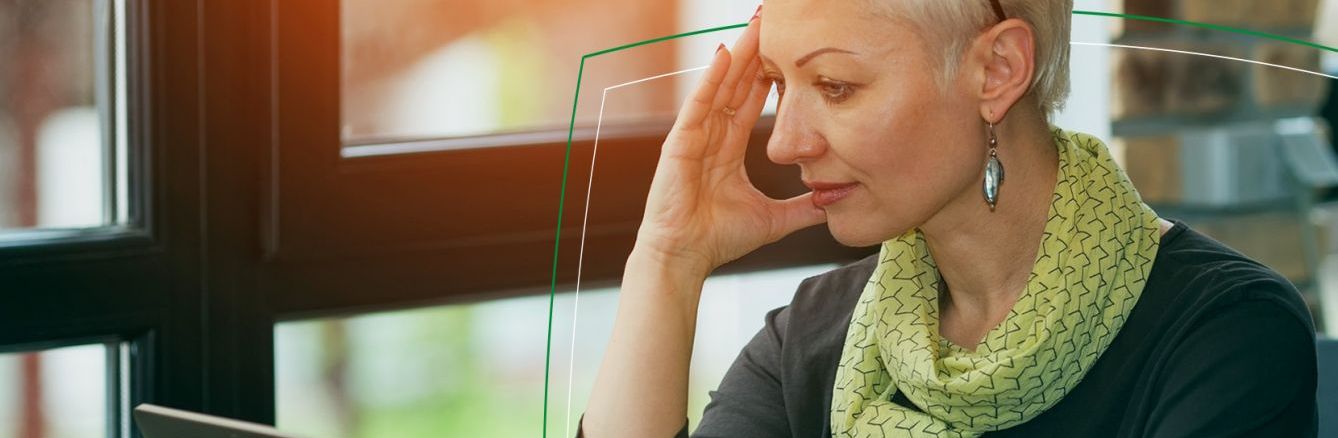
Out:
{"x": 189, "y": 321}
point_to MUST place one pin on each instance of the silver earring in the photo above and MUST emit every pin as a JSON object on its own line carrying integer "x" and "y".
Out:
{"x": 994, "y": 171}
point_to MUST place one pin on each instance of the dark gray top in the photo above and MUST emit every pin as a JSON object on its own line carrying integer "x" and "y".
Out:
{"x": 1218, "y": 345}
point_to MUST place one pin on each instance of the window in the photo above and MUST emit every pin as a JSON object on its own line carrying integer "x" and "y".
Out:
{"x": 66, "y": 194}
{"x": 417, "y": 70}
{"x": 63, "y": 155}
{"x": 63, "y": 392}
{"x": 417, "y": 74}
{"x": 106, "y": 166}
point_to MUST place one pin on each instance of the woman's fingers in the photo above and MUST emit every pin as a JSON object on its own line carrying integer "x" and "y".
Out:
{"x": 749, "y": 111}
{"x": 728, "y": 82}
{"x": 750, "y": 108}
{"x": 744, "y": 85}
{"x": 794, "y": 214}
{"x": 698, "y": 106}
{"x": 740, "y": 123}
{"x": 745, "y": 49}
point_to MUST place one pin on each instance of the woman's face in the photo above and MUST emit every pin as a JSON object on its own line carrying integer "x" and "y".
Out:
{"x": 862, "y": 115}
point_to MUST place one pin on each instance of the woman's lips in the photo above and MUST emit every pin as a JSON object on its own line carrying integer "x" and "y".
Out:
{"x": 825, "y": 194}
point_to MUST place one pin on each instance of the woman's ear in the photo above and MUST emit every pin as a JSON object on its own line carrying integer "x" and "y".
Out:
{"x": 1006, "y": 56}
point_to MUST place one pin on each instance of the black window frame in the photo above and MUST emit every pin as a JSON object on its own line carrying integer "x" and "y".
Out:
{"x": 190, "y": 324}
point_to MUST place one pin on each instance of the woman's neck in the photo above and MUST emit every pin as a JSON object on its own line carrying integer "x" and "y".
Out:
{"x": 985, "y": 257}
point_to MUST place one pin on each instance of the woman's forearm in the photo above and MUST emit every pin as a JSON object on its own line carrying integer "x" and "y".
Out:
{"x": 642, "y": 386}
{"x": 701, "y": 212}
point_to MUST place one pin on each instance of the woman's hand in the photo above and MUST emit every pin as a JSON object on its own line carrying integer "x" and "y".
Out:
{"x": 702, "y": 211}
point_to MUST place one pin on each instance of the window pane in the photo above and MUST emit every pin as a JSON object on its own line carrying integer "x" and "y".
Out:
{"x": 472, "y": 370}
{"x": 478, "y": 369}
{"x": 55, "y": 393}
{"x": 57, "y": 114}
{"x": 415, "y": 69}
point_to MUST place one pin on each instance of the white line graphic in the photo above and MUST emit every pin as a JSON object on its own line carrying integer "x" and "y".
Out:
{"x": 1186, "y": 52}
{"x": 585, "y": 219}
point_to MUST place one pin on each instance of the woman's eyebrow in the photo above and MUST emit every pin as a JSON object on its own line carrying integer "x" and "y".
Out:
{"x": 811, "y": 55}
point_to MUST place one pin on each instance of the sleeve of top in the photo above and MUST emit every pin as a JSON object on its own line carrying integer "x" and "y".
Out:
{"x": 580, "y": 429}
{"x": 1248, "y": 370}
{"x": 749, "y": 401}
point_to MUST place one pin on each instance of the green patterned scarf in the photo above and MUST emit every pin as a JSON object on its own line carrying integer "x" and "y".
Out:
{"x": 1099, "y": 244}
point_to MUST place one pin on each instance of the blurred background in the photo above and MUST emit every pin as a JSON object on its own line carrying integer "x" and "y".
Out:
{"x": 1241, "y": 151}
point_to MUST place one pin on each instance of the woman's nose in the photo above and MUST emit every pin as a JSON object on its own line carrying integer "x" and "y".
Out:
{"x": 793, "y": 139}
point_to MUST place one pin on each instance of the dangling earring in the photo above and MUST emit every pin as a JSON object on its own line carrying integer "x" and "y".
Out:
{"x": 994, "y": 171}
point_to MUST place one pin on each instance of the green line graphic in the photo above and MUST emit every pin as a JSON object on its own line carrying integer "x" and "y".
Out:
{"x": 571, "y": 127}
{"x": 557, "y": 239}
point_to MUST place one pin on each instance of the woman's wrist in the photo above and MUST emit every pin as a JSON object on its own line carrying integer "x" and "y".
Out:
{"x": 654, "y": 272}
{"x": 674, "y": 263}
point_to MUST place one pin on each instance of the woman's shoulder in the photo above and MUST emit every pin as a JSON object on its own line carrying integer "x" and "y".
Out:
{"x": 833, "y": 294}
{"x": 1198, "y": 276}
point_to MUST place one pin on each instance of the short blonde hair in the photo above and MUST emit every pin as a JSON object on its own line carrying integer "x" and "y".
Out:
{"x": 952, "y": 24}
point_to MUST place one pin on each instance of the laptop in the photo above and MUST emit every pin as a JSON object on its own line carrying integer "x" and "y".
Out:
{"x": 160, "y": 422}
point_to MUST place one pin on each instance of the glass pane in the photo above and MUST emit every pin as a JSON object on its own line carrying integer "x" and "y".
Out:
{"x": 478, "y": 369}
{"x": 58, "y": 144}
{"x": 415, "y": 69}
{"x": 55, "y": 393}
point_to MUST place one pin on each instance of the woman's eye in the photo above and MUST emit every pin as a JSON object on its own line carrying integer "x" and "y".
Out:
{"x": 835, "y": 92}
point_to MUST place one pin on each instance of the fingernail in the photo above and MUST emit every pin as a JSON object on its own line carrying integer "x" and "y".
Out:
{"x": 757, "y": 14}
{"x": 722, "y": 47}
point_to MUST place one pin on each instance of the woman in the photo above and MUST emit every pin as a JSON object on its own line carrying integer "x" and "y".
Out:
{"x": 1050, "y": 302}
